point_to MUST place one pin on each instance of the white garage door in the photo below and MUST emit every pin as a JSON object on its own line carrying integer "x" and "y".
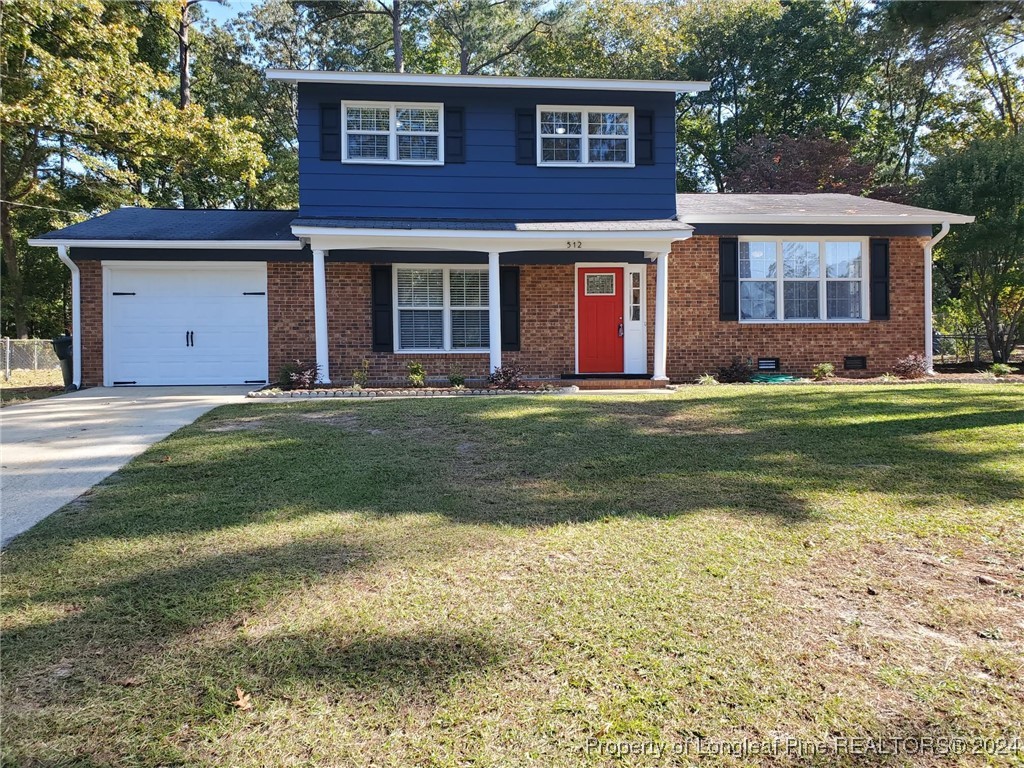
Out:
{"x": 185, "y": 323}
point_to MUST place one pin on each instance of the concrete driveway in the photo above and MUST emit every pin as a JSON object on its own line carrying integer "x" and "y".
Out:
{"x": 53, "y": 450}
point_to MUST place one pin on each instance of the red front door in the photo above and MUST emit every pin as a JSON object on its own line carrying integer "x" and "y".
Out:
{"x": 599, "y": 303}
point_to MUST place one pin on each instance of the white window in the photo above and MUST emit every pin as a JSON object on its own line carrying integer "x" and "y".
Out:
{"x": 803, "y": 279}
{"x": 441, "y": 309}
{"x": 376, "y": 132}
{"x": 585, "y": 136}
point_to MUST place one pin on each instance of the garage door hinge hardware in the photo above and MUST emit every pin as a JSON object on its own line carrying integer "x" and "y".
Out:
{"x": 116, "y": 383}
{"x": 254, "y": 293}
{"x": 124, "y": 293}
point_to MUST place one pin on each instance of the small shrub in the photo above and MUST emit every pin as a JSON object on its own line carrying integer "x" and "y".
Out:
{"x": 417, "y": 374}
{"x": 506, "y": 377}
{"x": 738, "y": 371}
{"x": 456, "y": 377}
{"x": 707, "y": 380}
{"x": 300, "y": 375}
{"x": 361, "y": 375}
{"x": 1000, "y": 369}
{"x": 911, "y": 367}
{"x": 889, "y": 378}
{"x": 823, "y": 371}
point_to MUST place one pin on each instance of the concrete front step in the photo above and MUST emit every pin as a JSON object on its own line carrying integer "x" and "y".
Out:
{"x": 616, "y": 383}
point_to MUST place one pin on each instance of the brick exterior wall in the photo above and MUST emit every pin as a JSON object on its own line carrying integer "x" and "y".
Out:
{"x": 546, "y": 318}
{"x": 91, "y": 277}
{"x": 698, "y": 342}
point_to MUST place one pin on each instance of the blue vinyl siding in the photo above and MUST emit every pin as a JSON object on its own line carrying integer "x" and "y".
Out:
{"x": 489, "y": 184}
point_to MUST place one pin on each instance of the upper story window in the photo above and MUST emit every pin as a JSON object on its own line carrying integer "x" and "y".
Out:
{"x": 803, "y": 279}
{"x": 585, "y": 136}
{"x": 379, "y": 132}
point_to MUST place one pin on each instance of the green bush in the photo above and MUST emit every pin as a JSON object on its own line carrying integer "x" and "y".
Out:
{"x": 911, "y": 367}
{"x": 361, "y": 375}
{"x": 707, "y": 380}
{"x": 1000, "y": 369}
{"x": 417, "y": 374}
{"x": 456, "y": 377}
{"x": 299, "y": 375}
{"x": 823, "y": 371}
{"x": 506, "y": 377}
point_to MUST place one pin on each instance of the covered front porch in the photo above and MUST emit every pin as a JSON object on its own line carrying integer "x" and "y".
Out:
{"x": 586, "y": 302}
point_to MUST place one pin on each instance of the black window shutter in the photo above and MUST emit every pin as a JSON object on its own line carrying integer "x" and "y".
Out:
{"x": 330, "y": 132}
{"x": 509, "y": 287}
{"x": 526, "y": 136}
{"x": 728, "y": 278}
{"x": 454, "y": 135}
{"x": 383, "y": 322}
{"x": 644, "y": 143}
{"x": 879, "y": 274}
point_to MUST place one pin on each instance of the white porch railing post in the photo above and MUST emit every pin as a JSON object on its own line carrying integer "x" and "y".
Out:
{"x": 320, "y": 316}
{"x": 494, "y": 308}
{"x": 661, "y": 318}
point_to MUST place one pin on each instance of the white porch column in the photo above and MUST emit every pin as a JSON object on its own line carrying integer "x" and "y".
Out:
{"x": 320, "y": 316}
{"x": 494, "y": 308}
{"x": 929, "y": 339}
{"x": 76, "y": 316}
{"x": 661, "y": 318}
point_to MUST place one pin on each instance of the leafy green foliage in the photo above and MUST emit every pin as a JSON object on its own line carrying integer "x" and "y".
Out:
{"x": 823, "y": 371}
{"x": 985, "y": 259}
{"x": 300, "y": 375}
{"x": 417, "y": 374}
{"x": 1001, "y": 369}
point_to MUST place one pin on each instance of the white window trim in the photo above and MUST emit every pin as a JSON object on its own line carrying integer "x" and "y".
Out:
{"x": 584, "y": 127}
{"x": 392, "y": 133}
{"x": 445, "y": 308}
{"x": 822, "y": 280}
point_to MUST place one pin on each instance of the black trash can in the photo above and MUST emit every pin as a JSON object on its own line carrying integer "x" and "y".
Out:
{"x": 63, "y": 349}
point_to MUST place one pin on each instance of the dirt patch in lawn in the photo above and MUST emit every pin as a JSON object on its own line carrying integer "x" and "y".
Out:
{"x": 898, "y": 607}
{"x": 236, "y": 425}
{"x": 332, "y": 418}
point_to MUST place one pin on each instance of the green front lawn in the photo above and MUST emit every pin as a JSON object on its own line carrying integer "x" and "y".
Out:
{"x": 505, "y": 581}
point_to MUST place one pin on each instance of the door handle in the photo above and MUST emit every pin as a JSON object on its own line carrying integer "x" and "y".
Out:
{"x": 192, "y": 336}
{"x": 621, "y": 333}
{"x": 186, "y": 338}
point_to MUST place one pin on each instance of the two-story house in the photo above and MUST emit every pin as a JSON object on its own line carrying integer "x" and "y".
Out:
{"x": 470, "y": 222}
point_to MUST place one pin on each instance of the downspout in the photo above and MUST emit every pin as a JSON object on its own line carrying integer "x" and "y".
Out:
{"x": 76, "y": 316}
{"x": 929, "y": 352}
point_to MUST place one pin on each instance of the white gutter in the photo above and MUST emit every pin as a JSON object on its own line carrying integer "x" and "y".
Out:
{"x": 76, "y": 316}
{"x": 261, "y": 245}
{"x": 929, "y": 352}
{"x": 847, "y": 219}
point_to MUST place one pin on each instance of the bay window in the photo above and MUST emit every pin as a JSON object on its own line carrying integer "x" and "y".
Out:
{"x": 441, "y": 309}
{"x": 802, "y": 279}
{"x": 585, "y": 135}
{"x": 380, "y": 132}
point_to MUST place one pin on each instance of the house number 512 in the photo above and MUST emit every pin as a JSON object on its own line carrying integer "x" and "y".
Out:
{"x": 573, "y": 245}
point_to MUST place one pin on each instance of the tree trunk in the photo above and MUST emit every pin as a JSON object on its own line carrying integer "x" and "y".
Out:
{"x": 184, "y": 82}
{"x": 464, "y": 59}
{"x": 396, "y": 32}
{"x": 13, "y": 285}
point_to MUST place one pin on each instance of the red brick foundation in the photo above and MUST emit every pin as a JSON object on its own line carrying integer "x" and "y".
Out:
{"x": 91, "y": 277}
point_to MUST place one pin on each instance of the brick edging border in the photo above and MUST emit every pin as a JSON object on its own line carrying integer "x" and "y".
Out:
{"x": 317, "y": 394}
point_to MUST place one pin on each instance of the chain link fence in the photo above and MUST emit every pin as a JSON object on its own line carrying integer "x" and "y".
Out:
{"x": 962, "y": 348}
{"x": 27, "y": 355}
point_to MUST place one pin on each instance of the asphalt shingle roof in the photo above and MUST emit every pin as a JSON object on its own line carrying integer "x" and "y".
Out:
{"x": 491, "y": 225}
{"x": 704, "y": 208}
{"x": 176, "y": 224}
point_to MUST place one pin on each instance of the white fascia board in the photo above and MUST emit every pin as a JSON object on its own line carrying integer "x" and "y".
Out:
{"x": 847, "y": 219}
{"x": 487, "y": 81}
{"x": 327, "y": 238}
{"x": 255, "y": 245}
